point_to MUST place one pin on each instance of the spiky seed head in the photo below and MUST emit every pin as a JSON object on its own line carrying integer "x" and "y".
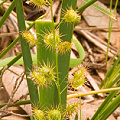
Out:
{"x": 50, "y": 41}
{"x": 39, "y": 114}
{"x": 79, "y": 78}
{"x": 30, "y": 38}
{"x": 70, "y": 16}
{"x": 42, "y": 76}
{"x": 64, "y": 47}
{"x": 39, "y": 3}
{"x": 38, "y": 78}
{"x": 77, "y": 21}
{"x": 54, "y": 115}
{"x": 48, "y": 72}
{"x": 71, "y": 108}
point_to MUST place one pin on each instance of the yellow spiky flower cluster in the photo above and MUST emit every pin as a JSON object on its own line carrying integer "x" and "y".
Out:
{"x": 56, "y": 43}
{"x": 70, "y": 16}
{"x": 50, "y": 41}
{"x": 79, "y": 78}
{"x": 71, "y": 108}
{"x": 30, "y": 38}
{"x": 39, "y": 3}
{"x": 39, "y": 114}
{"x": 54, "y": 115}
{"x": 43, "y": 75}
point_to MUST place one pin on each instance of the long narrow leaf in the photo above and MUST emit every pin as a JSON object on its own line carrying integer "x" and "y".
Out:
{"x": 76, "y": 62}
{"x": 26, "y": 52}
{"x": 45, "y": 56}
{"x": 105, "y": 103}
{"x": 66, "y": 30}
{"x": 3, "y": 2}
{"x": 86, "y": 5}
{"x": 110, "y": 108}
{"x": 10, "y": 63}
{"x": 6, "y": 14}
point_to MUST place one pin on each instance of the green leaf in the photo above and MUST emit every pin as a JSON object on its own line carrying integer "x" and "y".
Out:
{"x": 45, "y": 56}
{"x": 6, "y": 14}
{"x": 76, "y": 62}
{"x": 26, "y": 53}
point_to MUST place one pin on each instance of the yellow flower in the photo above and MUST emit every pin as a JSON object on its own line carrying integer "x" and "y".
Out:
{"x": 30, "y": 38}
{"x": 64, "y": 47}
{"x": 71, "y": 16}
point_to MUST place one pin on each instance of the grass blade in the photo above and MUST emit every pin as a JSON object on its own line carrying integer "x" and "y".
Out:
{"x": 76, "y": 62}
{"x": 26, "y": 52}
{"x": 45, "y": 56}
{"x": 105, "y": 103}
{"x": 110, "y": 108}
{"x": 86, "y": 5}
{"x": 66, "y": 30}
{"x": 3, "y": 2}
{"x": 6, "y": 14}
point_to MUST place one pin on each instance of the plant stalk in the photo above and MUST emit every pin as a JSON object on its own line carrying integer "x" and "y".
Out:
{"x": 92, "y": 92}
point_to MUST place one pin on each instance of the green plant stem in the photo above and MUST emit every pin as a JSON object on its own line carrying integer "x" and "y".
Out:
{"x": 56, "y": 55}
{"x": 6, "y": 14}
{"x": 110, "y": 30}
{"x": 113, "y": 76}
{"x": 110, "y": 27}
{"x": 53, "y": 26}
{"x": 6, "y": 61}
{"x": 86, "y": 5}
{"x": 116, "y": 6}
{"x": 3, "y": 2}
{"x": 24, "y": 102}
{"x": 80, "y": 109}
{"x": 26, "y": 53}
{"x": 108, "y": 44}
{"x": 58, "y": 82}
{"x": 63, "y": 89}
{"x": 9, "y": 47}
{"x": 92, "y": 92}
{"x": 12, "y": 61}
